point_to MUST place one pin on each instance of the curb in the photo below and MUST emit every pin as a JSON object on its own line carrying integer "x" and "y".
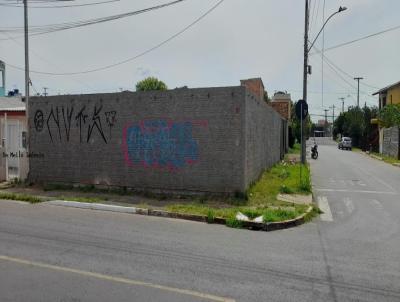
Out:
{"x": 251, "y": 225}
{"x": 380, "y": 158}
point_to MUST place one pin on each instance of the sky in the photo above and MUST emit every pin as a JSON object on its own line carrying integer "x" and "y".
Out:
{"x": 237, "y": 40}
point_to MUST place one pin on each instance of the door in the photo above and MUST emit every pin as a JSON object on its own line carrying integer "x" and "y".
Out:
{"x": 13, "y": 148}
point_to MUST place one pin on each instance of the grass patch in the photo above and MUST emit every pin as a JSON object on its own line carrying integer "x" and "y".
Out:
{"x": 296, "y": 149}
{"x": 272, "y": 214}
{"x": 280, "y": 215}
{"x": 82, "y": 199}
{"x": 282, "y": 178}
{"x": 232, "y": 222}
{"x": 261, "y": 198}
{"x": 20, "y": 197}
{"x": 57, "y": 187}
{"x": 387, "y": 159}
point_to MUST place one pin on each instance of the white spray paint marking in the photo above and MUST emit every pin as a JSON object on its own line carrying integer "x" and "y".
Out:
{"x": 324, "y": 206}
{"x": 349, "y": 204}
{"x": 354, "y": 191}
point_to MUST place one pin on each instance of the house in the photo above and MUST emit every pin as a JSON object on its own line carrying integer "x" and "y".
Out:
{"x": 389, "y": 138}
{"x": 389, "y": 95}
{"x": 13, "y": 136}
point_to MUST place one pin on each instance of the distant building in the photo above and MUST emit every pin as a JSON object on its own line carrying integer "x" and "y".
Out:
{"x": 13, "y": 137}
{"x": 281, "y": 102}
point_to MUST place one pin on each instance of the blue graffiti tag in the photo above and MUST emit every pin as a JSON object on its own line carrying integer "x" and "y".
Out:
{"x": 163, "y": 144}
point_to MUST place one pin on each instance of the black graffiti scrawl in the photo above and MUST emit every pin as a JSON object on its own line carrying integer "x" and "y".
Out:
{"x": 66, "y": 118}
{"x": 96, "y": 123}
{"x": 81, "y": 119}
{"x": 55, "y": 117}
{"x": 38, "y": 120}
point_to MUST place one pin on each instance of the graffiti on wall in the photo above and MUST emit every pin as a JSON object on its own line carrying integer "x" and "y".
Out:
{"x": 88, "y": 123}
{"x": 161, "y": 144}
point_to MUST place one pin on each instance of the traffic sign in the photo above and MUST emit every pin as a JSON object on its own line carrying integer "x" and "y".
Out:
{"x": 301, "y": 109}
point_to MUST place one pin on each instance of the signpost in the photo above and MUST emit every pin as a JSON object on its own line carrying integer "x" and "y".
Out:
{"x": 301, "y": 113}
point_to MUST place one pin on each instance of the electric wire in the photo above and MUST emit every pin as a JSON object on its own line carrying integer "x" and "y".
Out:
{"x": 343, "y": 71}
{"x": 60, "y": 6}
{"x": 360, "y": 39}
{"x": 44, "y": 29}
{"x": 105, "y": 67}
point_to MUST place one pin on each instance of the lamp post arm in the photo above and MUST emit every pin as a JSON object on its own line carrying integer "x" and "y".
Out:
{"x": 312, "y": 44}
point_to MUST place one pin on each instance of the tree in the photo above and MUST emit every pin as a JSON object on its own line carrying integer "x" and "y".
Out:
{"x": 149, "y": 84}
{"x": 356, "y": 123}
{"x": 389, "y": 115}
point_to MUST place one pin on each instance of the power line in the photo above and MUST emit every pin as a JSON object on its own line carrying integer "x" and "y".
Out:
{"x": 60, "y": 6}
{"x": 313, "y": 20}
{"x": 341, "y": 70}
{"x": 46, "y": 61}
{"x": 131, "y": 58}
{"x": 49, "y": 28}
{"x": 362, "y": 38}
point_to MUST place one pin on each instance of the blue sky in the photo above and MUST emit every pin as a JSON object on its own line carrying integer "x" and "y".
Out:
{"x": 240, "y": 39}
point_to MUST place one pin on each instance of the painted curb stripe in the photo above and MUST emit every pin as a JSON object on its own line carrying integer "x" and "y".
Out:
{"x": 268, "y": 226}
{"x": 92, "y": 206}
{"x": 116, "y": 279}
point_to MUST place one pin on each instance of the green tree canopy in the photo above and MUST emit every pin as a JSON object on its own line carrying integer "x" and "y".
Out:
{"x": 149, "y": 84}
{"x": 356, "y": 123}
{"x": 390, "y": 115}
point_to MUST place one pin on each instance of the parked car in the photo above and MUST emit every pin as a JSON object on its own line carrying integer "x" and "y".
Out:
{"x": 345, "y": 143}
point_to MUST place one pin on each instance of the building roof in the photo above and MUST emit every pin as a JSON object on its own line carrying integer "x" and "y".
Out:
{"x": 12, "y": 104}
{"x": 386, "y": 88}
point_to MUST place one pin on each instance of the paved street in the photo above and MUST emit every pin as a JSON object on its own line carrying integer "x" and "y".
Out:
{"x": 350, "y": 253}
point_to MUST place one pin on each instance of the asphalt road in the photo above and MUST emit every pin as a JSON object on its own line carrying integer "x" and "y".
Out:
{"x": 350, "y": 253}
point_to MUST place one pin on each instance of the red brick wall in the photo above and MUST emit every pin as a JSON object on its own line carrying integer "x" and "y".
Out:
{"x": 282, "y": 107}
{"x": 256, "y": 87}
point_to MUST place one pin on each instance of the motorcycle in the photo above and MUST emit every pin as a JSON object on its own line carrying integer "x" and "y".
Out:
{"x": 314, "y": 152}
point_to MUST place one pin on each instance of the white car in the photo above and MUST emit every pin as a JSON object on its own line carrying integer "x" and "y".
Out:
{"x": 345, "y": 143}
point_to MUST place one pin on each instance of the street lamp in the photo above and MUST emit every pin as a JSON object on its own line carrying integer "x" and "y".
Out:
{"x": 341, "y": 9}
{"x": 306, "y": 67}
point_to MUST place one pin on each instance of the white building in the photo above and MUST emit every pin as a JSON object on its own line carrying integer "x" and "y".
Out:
{"x": 13, "y": 137}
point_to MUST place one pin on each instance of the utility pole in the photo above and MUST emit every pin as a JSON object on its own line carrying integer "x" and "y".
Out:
{"x": 26, "y": 54}
{"x": 333, "y": 117}
{"x": 305, "y": 71}
{"x": 342, "y": 104}
{"x": 326, "y": 121}
{"x": 358, "y": 90}
{"x": 45, "y": 91}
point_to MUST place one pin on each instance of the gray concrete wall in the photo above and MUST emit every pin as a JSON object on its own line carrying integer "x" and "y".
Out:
{"x": 183, "y": 139}
{"x": 391, "y": 142}
{"x": 264, "y": 136}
